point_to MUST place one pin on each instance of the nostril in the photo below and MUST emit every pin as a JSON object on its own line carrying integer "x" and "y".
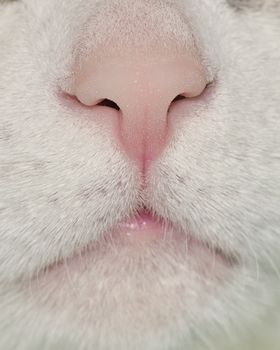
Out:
{"x": 109, "y": 103}
{"x": 176, "y": 99}
{"x": 101, "y": 102}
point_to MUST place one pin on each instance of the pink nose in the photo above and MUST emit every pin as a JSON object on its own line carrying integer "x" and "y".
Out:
{"x": 143, "y": 89}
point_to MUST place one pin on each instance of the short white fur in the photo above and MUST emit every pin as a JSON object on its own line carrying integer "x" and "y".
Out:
{"x": 63, "y": 183}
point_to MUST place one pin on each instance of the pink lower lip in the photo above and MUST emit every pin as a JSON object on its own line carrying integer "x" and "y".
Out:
{"x": 143, "y": 226}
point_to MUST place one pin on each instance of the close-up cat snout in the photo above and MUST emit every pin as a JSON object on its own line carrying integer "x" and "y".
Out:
{"x": 139, "y": 174}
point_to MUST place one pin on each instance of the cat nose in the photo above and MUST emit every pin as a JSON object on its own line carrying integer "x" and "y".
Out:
{"x": 141, "y": 89}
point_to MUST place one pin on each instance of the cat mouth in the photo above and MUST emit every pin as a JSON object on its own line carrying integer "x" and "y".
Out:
{"x": 146, "y": 228}
{"x": 140, "y": 258}
{"x": 145, "y": 231}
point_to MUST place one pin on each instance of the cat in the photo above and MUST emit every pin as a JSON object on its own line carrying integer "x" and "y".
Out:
{"x": 140, "y": 174}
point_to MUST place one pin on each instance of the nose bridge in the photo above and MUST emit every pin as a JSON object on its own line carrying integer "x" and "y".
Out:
{"x": 144, "y": 104}
{"x": 141, "y": 96}
{"x": 137, "y": 24}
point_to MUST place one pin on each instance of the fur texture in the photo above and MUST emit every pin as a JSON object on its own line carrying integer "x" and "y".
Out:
{"x": 63, "y": 183}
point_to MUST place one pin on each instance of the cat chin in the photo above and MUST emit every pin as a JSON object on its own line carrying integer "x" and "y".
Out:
{"x": 155, "y": 295}
{"x": 133, "y": 317}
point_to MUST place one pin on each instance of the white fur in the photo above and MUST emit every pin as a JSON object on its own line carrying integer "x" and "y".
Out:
{"x": 63, "y": 182}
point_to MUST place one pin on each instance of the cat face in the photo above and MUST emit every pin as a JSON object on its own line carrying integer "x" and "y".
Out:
{"x": 140, "y": 172}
